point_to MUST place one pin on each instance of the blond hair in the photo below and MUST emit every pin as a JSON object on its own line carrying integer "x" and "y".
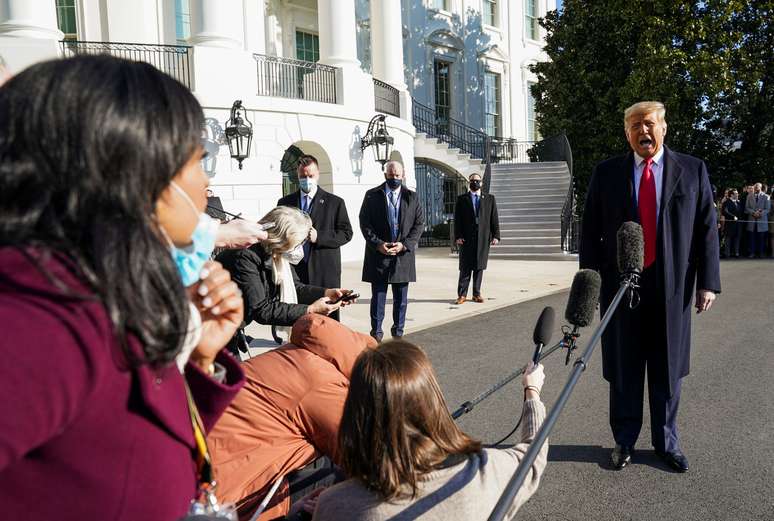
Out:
{"x": 291, "y": 227}
{"x": 645, "y": 107}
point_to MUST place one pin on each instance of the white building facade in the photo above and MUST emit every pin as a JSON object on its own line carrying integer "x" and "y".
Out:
{"x": 312, "y": 74}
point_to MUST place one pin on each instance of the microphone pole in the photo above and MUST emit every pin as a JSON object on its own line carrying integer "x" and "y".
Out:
{"x": 629, "y": 282}
{"x": 469, "y": 405}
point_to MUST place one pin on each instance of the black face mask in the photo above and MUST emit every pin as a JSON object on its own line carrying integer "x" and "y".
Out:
{"x": 393, "y": 183}
{"x": 475, "y": 185}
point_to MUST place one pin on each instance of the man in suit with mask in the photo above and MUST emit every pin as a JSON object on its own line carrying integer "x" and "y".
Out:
{"x": 391, "y": 220}
{"x": 476, "y": 227}
{"x": 331, "y": 229}
{"x": 670, "y": 195}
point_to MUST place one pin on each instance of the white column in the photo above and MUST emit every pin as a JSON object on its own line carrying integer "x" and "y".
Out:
{"x": 387, "y": 42}
{"x": 136, "y": 21}
{"x": 29, "y": 19}
{"x": 217, "y": 23}
{"x": 338, "y": 35}
{"x": 255, "y": 26}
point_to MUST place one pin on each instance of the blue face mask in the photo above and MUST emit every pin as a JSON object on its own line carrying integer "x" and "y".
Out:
{"x": 394, "y": 183}
{"x": 307, "y": 184}
{"x": 190, "y": 259}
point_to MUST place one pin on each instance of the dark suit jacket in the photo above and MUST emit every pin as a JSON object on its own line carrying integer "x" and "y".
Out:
{"x": 251, "y": 269}
{"x": 330, "y": 219}
{"x": 474, "y": 252}
{"x": 375, "y": 226}
{"x": 687, "y": 251}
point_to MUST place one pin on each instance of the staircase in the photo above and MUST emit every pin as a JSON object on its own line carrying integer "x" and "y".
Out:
{"x": 433, "y": 151}
{"x": 530, "y": 197}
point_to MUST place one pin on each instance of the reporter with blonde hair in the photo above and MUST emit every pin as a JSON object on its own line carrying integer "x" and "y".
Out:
{"x": 272, "y": 293}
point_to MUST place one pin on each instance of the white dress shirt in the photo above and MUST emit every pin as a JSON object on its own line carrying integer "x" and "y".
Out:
{"x": 657, "y": 168}
{"x": 310, "y": 196}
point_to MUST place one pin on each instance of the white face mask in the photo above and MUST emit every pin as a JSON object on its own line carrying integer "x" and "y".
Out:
{"x": 295, "y": 255}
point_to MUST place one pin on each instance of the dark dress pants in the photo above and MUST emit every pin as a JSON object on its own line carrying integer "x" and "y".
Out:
{"x": 379, "y": 302}
{"x": 626, "y": 404}
{"x": 733, "y": 237}
{"x": 464, "y": 282}
{"x": 757, "y": 243}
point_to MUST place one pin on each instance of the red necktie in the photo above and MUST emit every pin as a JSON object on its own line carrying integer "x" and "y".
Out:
{"x": 647, "y": 210}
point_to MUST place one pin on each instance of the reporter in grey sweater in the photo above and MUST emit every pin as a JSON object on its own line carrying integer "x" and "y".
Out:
{"x": 405, "y": 456}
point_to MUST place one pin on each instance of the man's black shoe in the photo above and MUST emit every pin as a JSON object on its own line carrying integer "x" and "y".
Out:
{"x": 621, "y": 456}
{"x": 676, "y": 460}
{"x": 377, "y": 336}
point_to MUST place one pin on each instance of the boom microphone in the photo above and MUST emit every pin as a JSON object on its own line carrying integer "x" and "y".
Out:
{"x": 631, "y": 249}
{"x": 630, "y": 262}
{"x": 581, "y": 306}
{"x": 542, "y": 334}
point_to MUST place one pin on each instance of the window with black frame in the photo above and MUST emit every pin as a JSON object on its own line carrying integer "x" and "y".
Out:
{"x": 442, "y": 80}
{"x": 492, "y": 103}
{"x": 66, "y": 19}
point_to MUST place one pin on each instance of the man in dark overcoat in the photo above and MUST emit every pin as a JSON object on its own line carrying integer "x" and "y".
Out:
{"x": 331, "y": 229}
{"x": 476, "y": 226}
{"x": 669, "y": 194}
{"x": 392, "y": 220}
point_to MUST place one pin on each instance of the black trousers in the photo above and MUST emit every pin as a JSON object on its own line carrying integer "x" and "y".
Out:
{"x": 464, "y": 282}
{"x": 648, "y": 355}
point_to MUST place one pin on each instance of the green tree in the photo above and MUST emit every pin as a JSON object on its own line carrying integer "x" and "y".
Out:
{"x": 607, "y": 54}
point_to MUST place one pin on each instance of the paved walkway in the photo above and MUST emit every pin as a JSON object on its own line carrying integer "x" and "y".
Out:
{"x": 431, "y": 298}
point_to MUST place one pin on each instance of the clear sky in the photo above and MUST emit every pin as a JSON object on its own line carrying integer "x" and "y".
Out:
{"x": 558, "y": 5}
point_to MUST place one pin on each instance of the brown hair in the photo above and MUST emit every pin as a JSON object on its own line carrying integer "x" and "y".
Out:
{"x": 396, "y": 426}
{"x": 306, "y": 160}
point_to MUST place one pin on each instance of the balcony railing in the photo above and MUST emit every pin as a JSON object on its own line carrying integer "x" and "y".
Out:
{"x": 386, "y": 98}
{"x": 174, "y": 60}
{"x": 295, "y": 79}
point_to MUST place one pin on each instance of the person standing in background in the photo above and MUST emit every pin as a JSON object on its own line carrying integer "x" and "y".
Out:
{"x": 476, "y": 227}
{"x": 331, "y": 229}
{"x": 391, "y": 220}
{"x": 733, "y": 212}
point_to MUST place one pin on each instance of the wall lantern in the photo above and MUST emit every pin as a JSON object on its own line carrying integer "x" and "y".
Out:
{"x": 378, "y": 137}
{"x": 239, "y": 133}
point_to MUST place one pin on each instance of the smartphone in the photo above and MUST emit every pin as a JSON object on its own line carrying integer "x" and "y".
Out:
{"x": 348, "y": 297}
{"x": 266, "y": 226}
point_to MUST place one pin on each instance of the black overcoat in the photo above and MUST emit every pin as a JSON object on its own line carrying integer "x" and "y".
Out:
{"x": 375, "y": 226}
{"x": 687, "y": 253}
{"x": 329, "y": 217}
{"x": 476, "y": 231}
{"x": 251, "y": 269}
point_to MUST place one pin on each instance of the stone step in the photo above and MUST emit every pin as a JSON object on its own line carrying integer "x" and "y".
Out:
{"x": 530, "y": 204}
{"x": 535, "y": 256}
{"x": 511, "y": 181}
{"x": 513, "y": 230}
{"x": 529, "y": 248}
{"x": 522, "y": 166}
{"x": 529, "y": 219}
{"x": 530, "y": 171}
{"x": 520, "y": 240}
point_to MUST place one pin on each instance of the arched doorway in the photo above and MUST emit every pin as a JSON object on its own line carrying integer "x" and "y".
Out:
{"x": 438, "y": 188}
{"x": 289, "y": 164}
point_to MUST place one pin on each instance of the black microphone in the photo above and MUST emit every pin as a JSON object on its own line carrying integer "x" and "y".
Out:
{"x": 581, "y": 306}
{"x": 631, "y": 249}
{"x": 542, "y": 333}
{"x": 631, "y": 258}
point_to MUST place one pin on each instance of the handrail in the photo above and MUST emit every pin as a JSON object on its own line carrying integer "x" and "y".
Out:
{"x": 174, "y": 60}
{"x": 295, "y": 79}
{"x": 386, "y": 98}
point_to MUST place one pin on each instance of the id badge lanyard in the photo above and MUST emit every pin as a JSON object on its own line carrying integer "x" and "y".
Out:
{"x": 205, "y": 503}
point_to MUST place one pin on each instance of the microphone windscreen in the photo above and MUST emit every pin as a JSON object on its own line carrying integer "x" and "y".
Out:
{"x": 544, "y": 326}
{"x": 631, "y": 248}
{"x": 584, "y": 297}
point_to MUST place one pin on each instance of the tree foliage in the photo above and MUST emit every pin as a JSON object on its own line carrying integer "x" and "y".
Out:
{"x": 710, "y": 63}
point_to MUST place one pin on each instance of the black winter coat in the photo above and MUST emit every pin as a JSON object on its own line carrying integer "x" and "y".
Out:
{"x": 687, "y": 253}
{"x": 477, "y": 233}
{"x": 375, "y": 226}
{"x": 251, "y": 269}
{"x": 329, "y": 217}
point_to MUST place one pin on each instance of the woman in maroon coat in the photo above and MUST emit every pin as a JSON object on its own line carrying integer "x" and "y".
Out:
{"x": 101, "y": 195}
